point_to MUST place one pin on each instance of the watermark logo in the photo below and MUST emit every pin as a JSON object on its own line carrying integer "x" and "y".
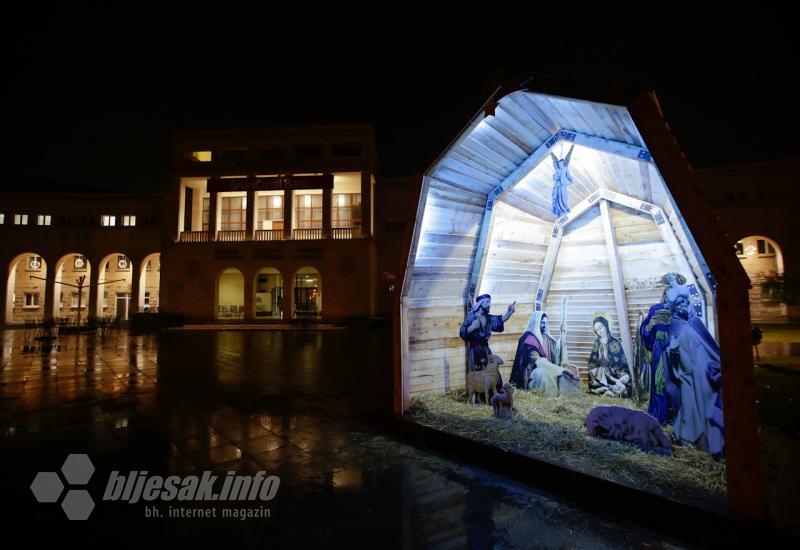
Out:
{"x": 48, "y": 487}
{"x": 138, "y": 486}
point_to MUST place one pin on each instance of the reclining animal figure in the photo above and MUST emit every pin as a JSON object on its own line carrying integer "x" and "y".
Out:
{"x": 628, "y": 426}
{"x": 483, "y": 381}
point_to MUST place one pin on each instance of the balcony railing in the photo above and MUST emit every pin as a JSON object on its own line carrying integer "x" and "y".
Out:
{"x": 306, "y": 234}
{"x": 269, "y": 235}
{"x": 345, "y": 232}
{"x": 194, "y": 236}
{"x": 231, "y": 236}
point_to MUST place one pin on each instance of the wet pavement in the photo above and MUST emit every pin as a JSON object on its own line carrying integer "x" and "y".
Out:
{"x": 289, "y": 403}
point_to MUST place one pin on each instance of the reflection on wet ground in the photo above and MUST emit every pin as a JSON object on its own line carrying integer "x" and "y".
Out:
{"x": 284, "y": 402}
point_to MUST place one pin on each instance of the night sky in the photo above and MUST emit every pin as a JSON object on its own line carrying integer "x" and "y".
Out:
{"x": 90, "y": 100}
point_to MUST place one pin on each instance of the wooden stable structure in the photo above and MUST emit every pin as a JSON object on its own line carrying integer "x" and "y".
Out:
{"x": 484, "y": 221}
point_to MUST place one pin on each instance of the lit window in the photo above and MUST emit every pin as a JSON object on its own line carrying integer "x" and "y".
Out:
{"x": 2, "y": 219}
{"x": 20, "y": 219}
{"x": 128, "y": 221}
{"x": 43, "y": 219}
{"x": 109, "y": 221}
{"x": 31, "y": 299}
{"x": 202, "y": 156}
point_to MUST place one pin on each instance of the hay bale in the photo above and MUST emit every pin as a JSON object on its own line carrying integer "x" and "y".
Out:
{"x": 551, "y": 429}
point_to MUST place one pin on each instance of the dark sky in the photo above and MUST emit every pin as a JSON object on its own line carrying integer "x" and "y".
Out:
{"x": 90, "y": 99}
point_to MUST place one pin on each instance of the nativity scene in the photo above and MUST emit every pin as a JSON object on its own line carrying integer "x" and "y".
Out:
{"x": 604, "y": 350}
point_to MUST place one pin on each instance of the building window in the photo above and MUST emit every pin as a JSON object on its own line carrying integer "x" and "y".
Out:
{"x": 35, "y": 263}
{"x": 347, "y": 150}
{"x": 308, "y": 151}
{"x": 740, "y": 249}
{"x": 147, "y": 301}
{"x": 234, "y": 155}
{"x": 269, "y": 214}
{"x": 20, "y": 219}
{"x": 32, "y": 299}
{"x": 43, "y": 219}
{"x": 234, "y": 214}
{"x": 346, "y": 210}
{"x": 201, "y": 156}
{"x": 765, "y": 248}
{"x": 271, "y": 154}
{"x": 128, "y": 221}
{"x": 74, "y": 304}
{"x": 309, "y": 211}
{"x": 205, "y": 213}
{"x": 108, "y": 221}
{"x": 2, "y": 219}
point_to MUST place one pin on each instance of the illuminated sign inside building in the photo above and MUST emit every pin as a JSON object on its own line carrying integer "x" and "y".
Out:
{"x": 280, "y": 183}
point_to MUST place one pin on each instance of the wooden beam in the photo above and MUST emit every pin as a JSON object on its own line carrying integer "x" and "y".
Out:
{"x": 526, "y": 167}
{"x": 617, "y": 282}
{"x": 613, "y": 147}
{"x": 480, "y": 252}
{"x": 549, "y": 266}
{"x": 593, "y": 142}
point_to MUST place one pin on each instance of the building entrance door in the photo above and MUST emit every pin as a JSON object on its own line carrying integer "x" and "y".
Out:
{"x": 123, "y": 300}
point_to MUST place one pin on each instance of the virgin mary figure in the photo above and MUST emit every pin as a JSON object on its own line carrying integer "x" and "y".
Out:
{"x": 608, "y": 368}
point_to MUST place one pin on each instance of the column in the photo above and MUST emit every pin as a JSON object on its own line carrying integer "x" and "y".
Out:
{"x": 136, "y": 277}
{"x": 288, "y": 293}
{"x": 251, "y": 216}
{"x": 366, "y": 204}
{"x": 49, "y": 290}
{"x": 212, "y": 216}
{"x": 327, "y": 204}
{"x": 95, "y": 291}
{"x": 4, "y": 294}
{"x": 249, "y": 298}
{"x": 288, "y": 199}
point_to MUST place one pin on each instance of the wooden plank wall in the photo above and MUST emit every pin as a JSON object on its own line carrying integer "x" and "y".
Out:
{"x": 582, "y": 274}
{"x": 435, "y": 297}
{"x": 512, "y": 270}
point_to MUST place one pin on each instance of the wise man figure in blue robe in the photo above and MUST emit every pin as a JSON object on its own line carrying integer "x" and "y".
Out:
{"x": 476, "y": 330}
{"x": 561, "y": 179}
{"x": 693, "y": 368}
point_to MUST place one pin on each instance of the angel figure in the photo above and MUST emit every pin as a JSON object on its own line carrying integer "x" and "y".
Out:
{"x": 561, "y": 178}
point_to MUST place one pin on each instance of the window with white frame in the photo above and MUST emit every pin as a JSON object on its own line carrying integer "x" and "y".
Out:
{"x": 309, "y": 211}
{"x": 346, "y": 210}
{"x": 31, "y": 299}
{"x": 269, "y": 212}
{"x": 233, "y": 214}
{"x": 43, "y": 219}
{"x": 128, "y": 221}
{"x": 74, "y": 304}
{"x": 108, "y": 221}
{"x": 20, "y": 219}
